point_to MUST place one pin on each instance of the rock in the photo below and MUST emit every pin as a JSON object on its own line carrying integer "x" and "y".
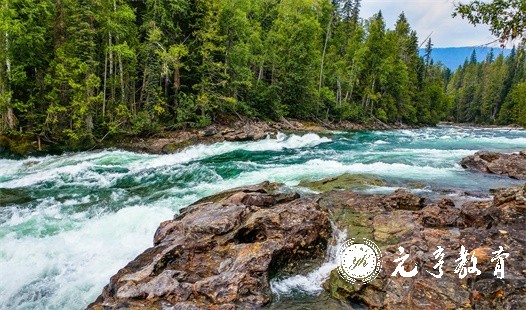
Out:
{"x": 512, "y": 165}
{"x": 210, "y": 131}
{"x": 176, "y": 146}
{"x": 364, "y": 216}
{"x": 345, "y": 181}
{"x": 402, "y": 219}
{"x": 15, "y": 196}
{"x": 220, "y": 252}
{"x": 246, "y": 132}
{"x": 417, "y": 185}
{"x": 443, "y": 214}
{"x": 403, "y": 200}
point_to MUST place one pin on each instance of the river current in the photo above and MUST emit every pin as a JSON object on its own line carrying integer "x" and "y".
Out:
{"x": 69, "y": 222}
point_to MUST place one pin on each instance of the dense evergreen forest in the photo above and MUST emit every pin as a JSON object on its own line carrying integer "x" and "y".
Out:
{"x": 490, "y": 92}
{"x": 75, "y": 71}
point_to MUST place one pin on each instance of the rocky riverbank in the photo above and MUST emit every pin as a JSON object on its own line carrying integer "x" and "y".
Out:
{"x": 166, "y": 142}
{"x": 246, "y": 130}
{"x": 221, "y": 252}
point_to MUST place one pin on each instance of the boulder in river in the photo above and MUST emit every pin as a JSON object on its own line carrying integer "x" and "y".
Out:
{"x": 512, "y": 165}
{"x": 220, "y": 252}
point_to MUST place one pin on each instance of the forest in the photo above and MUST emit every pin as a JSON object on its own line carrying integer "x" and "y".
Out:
{"x": 492, "y": 91}
{"x": 75, "y": 71}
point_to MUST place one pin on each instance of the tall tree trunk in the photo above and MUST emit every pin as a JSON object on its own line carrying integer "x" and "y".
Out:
{"x": 121, "y": 74}
{"x": 260, "y": 73}
{"x": 104, "y": 85}
{"x": 9, "y": 118}
{"x": 338, "y": 91}
{"x": 327, "y": 35}
{"x": 176, "y": 84}
{"x": 143, "y": 86}
{"x": 351, "y": 82}
{"x": 110, "y": 45}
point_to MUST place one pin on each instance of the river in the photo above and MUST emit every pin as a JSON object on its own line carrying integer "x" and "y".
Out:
{"x": 69, "y": 222}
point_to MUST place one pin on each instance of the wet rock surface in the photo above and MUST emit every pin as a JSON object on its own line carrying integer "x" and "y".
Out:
{"x": 220, "y": 252}
{"x": 402, "y": 219}
{"x": 512, "y": 165}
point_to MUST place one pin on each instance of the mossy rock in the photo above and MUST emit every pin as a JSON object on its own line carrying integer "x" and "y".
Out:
{"x": 176, "y": 146}
{"x": 10, "y": 196}
{"x": 345, "y": 181}
{"x": 416, "y": 185}
{"x": 357, "y": 224}
{"x": 16, "y": 145}
{"x": 340, "y": 288}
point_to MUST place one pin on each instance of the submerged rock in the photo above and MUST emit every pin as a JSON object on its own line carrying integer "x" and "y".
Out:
{"x": 512, "y": 165}
{"x": 345, "y": 181}
{"x": 14, "y": 196}
{"x": 220, "y": 252}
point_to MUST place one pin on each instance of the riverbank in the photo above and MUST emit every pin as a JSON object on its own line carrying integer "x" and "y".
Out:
{"x": 165, "y": 142}
{"x": 170, "y": 141}
{"x": 247, "y": 130}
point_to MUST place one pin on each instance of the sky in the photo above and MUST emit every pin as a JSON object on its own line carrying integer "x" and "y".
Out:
{"x": 431, "y": 17}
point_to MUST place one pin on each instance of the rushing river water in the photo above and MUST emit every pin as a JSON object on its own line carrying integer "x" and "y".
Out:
{"x": 69, "y": 222}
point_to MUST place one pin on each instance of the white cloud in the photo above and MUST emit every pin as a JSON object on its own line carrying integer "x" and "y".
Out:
{"x": 431, "y": 16}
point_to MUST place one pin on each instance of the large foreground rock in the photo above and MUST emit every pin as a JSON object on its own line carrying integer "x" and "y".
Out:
{"x": 402, "y": 219}
{"x": 512, "y": 165}
{"x": 220, "y": 252}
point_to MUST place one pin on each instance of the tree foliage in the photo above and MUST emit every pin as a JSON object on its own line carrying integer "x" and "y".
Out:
{"x": 489, "y": 91}
{"x": 76, "y": 71}
{"x": 506, "y": 18}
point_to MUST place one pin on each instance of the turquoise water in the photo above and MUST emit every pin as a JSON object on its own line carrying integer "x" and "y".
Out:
{"x": 69, "y": 222}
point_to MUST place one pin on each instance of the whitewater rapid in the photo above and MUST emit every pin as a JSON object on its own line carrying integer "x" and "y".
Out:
{"x": 69, "y": 222}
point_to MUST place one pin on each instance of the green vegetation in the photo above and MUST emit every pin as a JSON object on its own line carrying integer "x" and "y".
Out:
{"x": 75, "y": 72}
{"x": 490, "y": 92}
{"x": 506, "y": 18}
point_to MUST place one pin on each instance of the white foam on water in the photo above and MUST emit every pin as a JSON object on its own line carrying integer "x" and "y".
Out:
{"x": 68, "y": 270}
{"x": 44, "y": 175}
{"x": 78, "y": 167}
{"x": 437, "y": 154}
{"x": 68, "y": 267}
{"x": 311, "y": 283}
{"x": 318, "y": 168}
{"x": 517, "y": 142}
{"x": 202, "y": 151}
{"x": 8, "y": 168}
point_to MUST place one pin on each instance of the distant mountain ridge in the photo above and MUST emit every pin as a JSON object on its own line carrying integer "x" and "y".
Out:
{"x": 452, "y": 57}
